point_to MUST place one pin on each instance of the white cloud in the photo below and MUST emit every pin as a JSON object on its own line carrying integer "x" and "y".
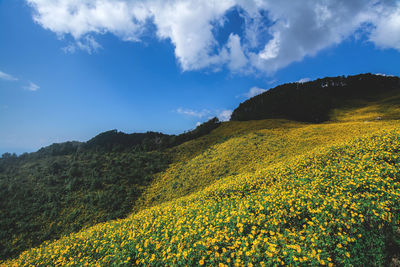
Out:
{"x": 271, "y": 49}
{"x": 88, "y": 44}
{"x": 253, "y": 92}
{"x": 386, "y": 33}
{"x": 291, "y": 31}
{"x": 237, "y": 58}
{"x": 189, "y": 26}
{"x": 386, "y": 75}
{"x": 304, "y": 80}
{"x": 194, "y": 113}
{"x": 7, "y": 77}
{"x": 225, "y": 115}
{"x": 32, "y": 87}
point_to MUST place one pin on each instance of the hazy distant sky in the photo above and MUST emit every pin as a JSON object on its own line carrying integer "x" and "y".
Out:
{"x": 70, "y": 69}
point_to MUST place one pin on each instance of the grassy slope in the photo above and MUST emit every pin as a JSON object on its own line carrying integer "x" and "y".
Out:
{"x": 263, "y": 144}
{"x": 262, "y": 191}
{"x": 202, "y": 161}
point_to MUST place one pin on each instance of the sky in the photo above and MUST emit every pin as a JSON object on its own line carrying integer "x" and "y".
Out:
{"x": 70, "y": 69}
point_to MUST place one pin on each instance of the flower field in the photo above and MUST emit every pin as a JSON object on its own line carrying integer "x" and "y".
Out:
{"x": 244, "y": 147}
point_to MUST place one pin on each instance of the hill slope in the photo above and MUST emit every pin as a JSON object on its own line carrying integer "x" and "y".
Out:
{"x": 313, "y": 101}
{"x": 265, "y": 192}
{"x": 65, "y": 187}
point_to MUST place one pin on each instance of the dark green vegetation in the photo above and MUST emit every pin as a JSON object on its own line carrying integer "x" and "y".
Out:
{"x": 43, "y": 198}
{"x": 119, "y": 141}
{"x": 313, "y": 101}
{"x": 64, "y": 187}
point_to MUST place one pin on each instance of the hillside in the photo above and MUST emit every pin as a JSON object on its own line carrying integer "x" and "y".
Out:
{"x": 314, "y": 101}
{"x": 64, "y": 187}
{"x": 46, "y": 197}
{"x": 271, "y": 191}
{"x": 337, "y": 203}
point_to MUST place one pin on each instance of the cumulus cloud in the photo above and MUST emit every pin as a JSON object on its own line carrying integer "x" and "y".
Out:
{"x": 386, "y": 33}
{"x": 237, "y": 58}
{"x": 7, "y": 77}
{"x": 275, "y": 33}
{"x": 225, "y": 115}
{"x": 31, "y": 87}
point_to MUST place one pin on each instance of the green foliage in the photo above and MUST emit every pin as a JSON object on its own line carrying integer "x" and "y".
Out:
{"x": 119, "y": 141}
{"x": 44, "y": 197}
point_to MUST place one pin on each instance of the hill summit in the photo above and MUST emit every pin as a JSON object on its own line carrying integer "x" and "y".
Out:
{"x": 313, "y": 101}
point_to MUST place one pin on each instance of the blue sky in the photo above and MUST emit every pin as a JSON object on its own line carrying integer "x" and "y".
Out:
{"x": 72, "y": 69}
